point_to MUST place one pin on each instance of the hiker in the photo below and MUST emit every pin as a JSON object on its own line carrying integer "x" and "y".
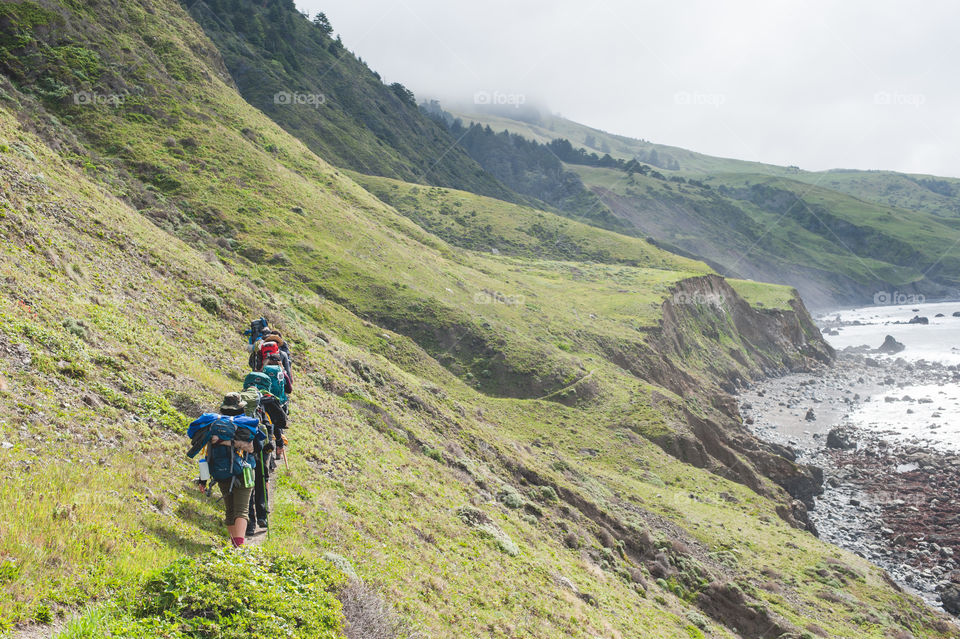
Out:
{"x": 254, "y": 402}
{"x": 270, "y": 404}
{"x": 260, "y": 351}
{"x": 257, "y": 329}
{"x": 271, "y": 342}
{"x": 280, "y": 383}
{"x": 257, "y": 504}
{"x": 229, "y": 438}
{"x": 284, "y": 350}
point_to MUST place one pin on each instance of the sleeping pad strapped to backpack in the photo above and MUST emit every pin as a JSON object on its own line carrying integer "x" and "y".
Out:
{"x": 229, "y": 441}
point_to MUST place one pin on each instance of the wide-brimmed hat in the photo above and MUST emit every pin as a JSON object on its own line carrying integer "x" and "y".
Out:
{"x": 232, "y": 404}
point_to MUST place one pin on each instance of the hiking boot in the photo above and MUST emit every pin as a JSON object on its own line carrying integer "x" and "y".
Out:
{"x": 251, "y": 529}
{"x": 262, "y": 523}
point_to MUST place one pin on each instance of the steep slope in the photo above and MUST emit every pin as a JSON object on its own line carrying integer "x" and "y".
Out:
{"x": 294, "y": 71}
{"x": 487, "y": 224}
{"x": 543, "y": 127}
{"x": 927, "y": 193}
{"x": 834, "y": 248}
{"x": 828, "y": 234}
{"x": 505, "y": 462}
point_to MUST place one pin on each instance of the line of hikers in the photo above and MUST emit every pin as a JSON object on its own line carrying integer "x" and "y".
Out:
{"x": 245, "y": 437}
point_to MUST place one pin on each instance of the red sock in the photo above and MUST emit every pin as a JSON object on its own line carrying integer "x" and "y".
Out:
{"x": 237, "y": 542}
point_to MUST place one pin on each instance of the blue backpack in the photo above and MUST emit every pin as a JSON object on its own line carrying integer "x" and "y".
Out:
{"x": 224, "y": 460}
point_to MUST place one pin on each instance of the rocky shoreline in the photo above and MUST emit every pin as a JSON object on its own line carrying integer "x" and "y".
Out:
{"x": 891, "y": 498}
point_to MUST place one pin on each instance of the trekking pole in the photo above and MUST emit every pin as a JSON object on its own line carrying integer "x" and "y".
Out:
{"x": 266, "y": 490}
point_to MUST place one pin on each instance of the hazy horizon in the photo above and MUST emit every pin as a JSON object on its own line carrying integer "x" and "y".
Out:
{"x": 856, "y": 86}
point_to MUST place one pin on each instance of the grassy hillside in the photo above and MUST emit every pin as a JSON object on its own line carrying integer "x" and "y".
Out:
{"x": 490, "y": 225}
{"x": 838, "y": 236}
{"x": 316, "y": 89}
{"x": 544, "y": 127}
{"x": 494, "y": 443}
{"x": 926, "y": 193}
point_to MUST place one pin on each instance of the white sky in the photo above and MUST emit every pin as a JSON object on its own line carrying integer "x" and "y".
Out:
{"x": 868, "y": 84}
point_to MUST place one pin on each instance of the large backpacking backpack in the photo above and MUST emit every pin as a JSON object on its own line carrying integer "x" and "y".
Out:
{"x": 268, "y": 348}
{"x": 257, "y": 380}
{"x": 256, "y": 331}
{"x": 250, "y": 401}
{"x": 223, "y": 460}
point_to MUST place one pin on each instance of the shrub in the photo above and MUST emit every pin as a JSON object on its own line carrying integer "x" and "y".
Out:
{"x": 510, "y": 497}
{"x": 368, "y": 615}
{"x": 76, "y": 328}
{"x": 236, "y": 595}
{"x": 548, "y": 494}
{"x": 210, "y": 303}
{"x": 43, "y": 615}
{"x": 697, "y": 619}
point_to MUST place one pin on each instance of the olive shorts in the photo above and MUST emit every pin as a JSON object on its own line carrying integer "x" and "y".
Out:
{"x": 237, "y": 501}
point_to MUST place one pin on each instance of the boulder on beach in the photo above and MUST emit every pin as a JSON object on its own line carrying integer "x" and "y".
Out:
{"x": 890, "y": 346}
{"x": 841, "y": 438}
{"x": 950, "y": 596}
{"x": 810, "y": 416}
{"x": 956, "y": 313}
{"x": 939, "y": 315}
{"x": 919, "y": 320}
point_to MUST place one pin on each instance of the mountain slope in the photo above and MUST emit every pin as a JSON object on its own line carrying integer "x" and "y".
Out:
{"x": 834, "y": 235}
{"x": 927, "y": 193}
{"x": 543, "y": 127}
{"x": 308, "y": 82}
{"x": 510, "y": 460}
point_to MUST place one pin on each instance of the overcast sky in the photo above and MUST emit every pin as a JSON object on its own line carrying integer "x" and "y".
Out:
{"x": 868, "y": 84}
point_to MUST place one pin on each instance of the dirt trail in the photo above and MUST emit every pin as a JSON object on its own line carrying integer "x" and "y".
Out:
{"x": 38, "y": 631}
{"x": 261, "y": 535}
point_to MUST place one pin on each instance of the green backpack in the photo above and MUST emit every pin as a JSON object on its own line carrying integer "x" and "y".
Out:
{"x": 250, "y": 400}
{"x": 257, "y": 380}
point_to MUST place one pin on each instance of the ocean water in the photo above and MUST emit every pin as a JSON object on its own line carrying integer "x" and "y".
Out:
{"x": 937, "y": 342}
{"x": 927, "y": 414}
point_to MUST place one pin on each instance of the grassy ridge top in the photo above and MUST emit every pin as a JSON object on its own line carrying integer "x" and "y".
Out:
{"x": 837, "y": 236}
{"x": 486, "y": 224}
{"x": 544, "y": 127}
{"x": 316, "y": 89}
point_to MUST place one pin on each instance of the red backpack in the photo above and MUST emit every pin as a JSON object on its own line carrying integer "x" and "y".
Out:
{"x": 268, "y": 348}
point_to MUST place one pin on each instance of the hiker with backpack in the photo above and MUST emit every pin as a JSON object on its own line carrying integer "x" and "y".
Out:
{"x": 271, "y": 342}
{"x": 258, "y": 329}
{"x": 284, "y": 350}
{"x": 259, "y": 403}
{"x": 262, "y": 383}
{"x": 229, "y": 439}
{"x": 280, "y": 382}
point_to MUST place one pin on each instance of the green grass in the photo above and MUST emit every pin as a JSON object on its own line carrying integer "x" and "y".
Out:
{"x": 837, "y": 236}
{"x": 762, "y": 295}
{"x": 926, "y": 193}
{"x": 489, "y": 225}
